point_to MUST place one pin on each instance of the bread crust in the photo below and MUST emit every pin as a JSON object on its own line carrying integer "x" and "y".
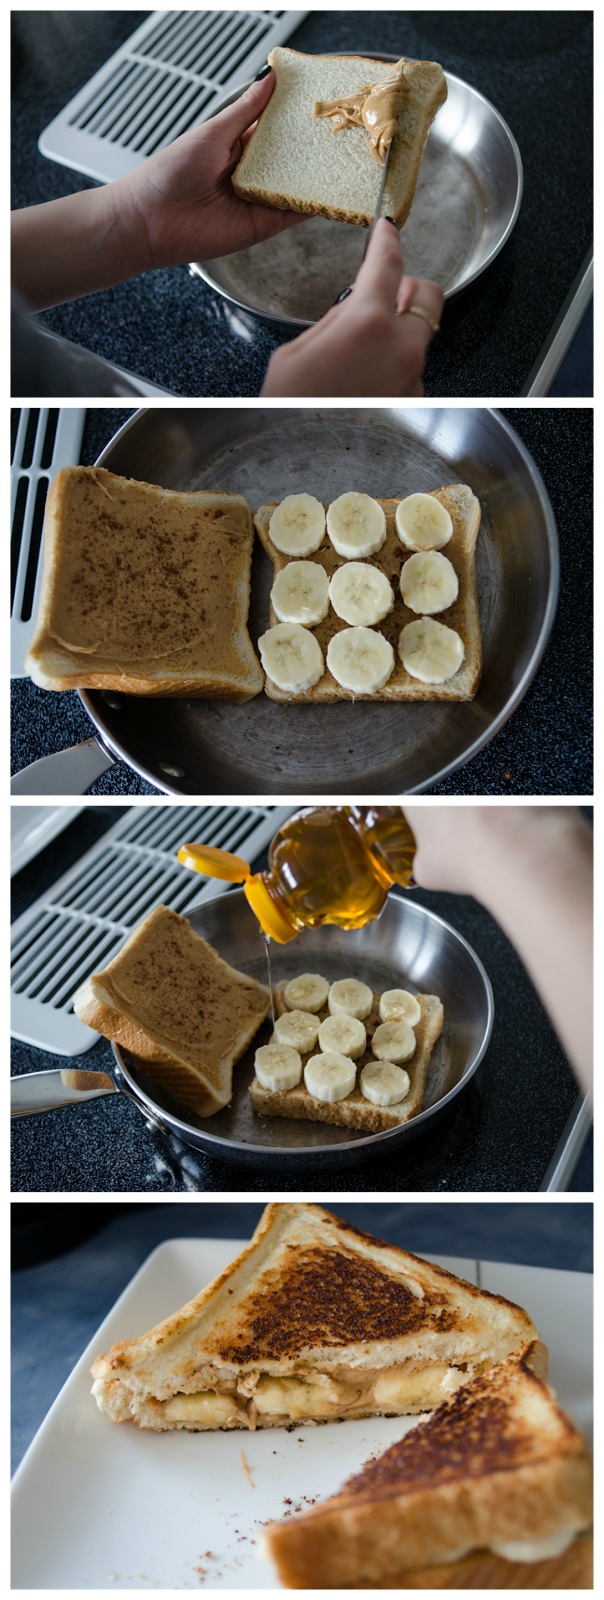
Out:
{"x": 464, "y": 509}
{"x": 355, "y": 1111}
{"x": 165, "y": 1069}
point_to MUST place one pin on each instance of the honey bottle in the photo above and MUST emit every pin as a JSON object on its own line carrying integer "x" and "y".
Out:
{"x": 326, "y": 864}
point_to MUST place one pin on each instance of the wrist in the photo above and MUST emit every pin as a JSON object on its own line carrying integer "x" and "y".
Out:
{"x": 521, "y": 849}
{"x": 122, "y": 230}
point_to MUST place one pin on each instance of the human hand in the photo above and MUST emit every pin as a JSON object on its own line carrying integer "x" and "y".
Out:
{"x": 532, "y": 867}
{"x": 181, "y": 202}
{"x": 480, "y": 850}
{"x": 369, "y": 344}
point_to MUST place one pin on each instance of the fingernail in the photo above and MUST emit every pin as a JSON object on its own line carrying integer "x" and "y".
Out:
{"x": 343, "y": 296}
{"x": 391, "y": 219}
{"x": 263, "y": 73}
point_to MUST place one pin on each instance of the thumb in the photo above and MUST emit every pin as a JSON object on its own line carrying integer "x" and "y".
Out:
{"x": 379, "y": 277}
{"x": 236, "y": 119}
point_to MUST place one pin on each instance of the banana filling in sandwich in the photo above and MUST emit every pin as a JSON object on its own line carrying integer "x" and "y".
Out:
{"x": 260, "y": 1399}
{"x": 344, "y": 1055}
{"x": 313, "y": 1322}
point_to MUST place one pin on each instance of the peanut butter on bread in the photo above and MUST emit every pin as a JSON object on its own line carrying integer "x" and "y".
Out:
{"x": 144, "y": 589}
{"x": 170, "y": 999}
{"x": 374, "y": 107}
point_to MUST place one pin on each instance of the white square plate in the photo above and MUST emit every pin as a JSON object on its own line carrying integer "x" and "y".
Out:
{"x": 97, "y": 1506}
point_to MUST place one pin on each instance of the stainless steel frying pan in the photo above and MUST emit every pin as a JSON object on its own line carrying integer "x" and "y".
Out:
{"x": 194, "y": 747}
{"x": 407, "y": 947}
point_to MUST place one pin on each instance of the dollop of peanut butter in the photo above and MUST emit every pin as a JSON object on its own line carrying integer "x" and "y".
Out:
{"x": 375, "y": 107}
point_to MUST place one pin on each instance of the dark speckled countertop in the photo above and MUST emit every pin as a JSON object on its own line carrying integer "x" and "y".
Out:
{"x": 546, "y": 746}
{"x": 535, "y": 67}
{"x": 499, "y": 1135}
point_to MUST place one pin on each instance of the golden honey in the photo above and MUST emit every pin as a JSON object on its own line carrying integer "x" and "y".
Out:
{"x": 335, "y": 864}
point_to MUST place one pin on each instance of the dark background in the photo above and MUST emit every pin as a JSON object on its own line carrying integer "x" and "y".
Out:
{"x": 499, "y": 1135}
{"x": 546, "y": 746}
{"x": 535, "y": 67}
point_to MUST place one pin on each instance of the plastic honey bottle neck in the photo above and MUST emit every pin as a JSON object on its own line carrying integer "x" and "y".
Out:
{"x": 328, "y": 864}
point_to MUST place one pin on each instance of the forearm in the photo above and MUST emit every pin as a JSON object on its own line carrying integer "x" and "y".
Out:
{"x": 532, "y": 867}
{"x": 76, "y": 245}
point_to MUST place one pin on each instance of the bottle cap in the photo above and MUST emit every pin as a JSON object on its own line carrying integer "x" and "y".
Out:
{"x": 214, "y": 863}
{"x": 268, "y": 911}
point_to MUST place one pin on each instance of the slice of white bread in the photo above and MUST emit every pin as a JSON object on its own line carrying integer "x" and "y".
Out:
{"x": 355, "y": 1111}
{"x": 298, "y": 162}
{"x": 462, "y": 616}
{"x": 144, "y": 590}
{"x": 175, "y": 1005}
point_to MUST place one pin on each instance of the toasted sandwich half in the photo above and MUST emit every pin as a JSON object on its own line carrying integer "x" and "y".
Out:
{"x": 313, "y": 1322}
{"x": 494, "y": 1490}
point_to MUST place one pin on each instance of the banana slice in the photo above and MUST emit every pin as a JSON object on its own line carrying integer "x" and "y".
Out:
{"x": 291, "y": 656}
{"x": 422, "y": 523}
{"x": 360, "y": 594}
{"x": 297, "y": 526}
{"x": 307, "y": 993}
{"x": 298, "y": 1029}
{"x": 300, "y": 593}
{"x": 278, "y": 1066}
{"x": 344, "y": 1034}
{"x": 394, "y": 1041}
{"x": 360, "y": 660}
{"x": 330, "y": 1076}
{"x": 350, "y": 997}
{"x": 429, "y": 582}
{"x": 429, "y": 651}
{"x": 384, "y": 1084}
{"x": 397, "y": 1005}
{"x": 356, "y": 525}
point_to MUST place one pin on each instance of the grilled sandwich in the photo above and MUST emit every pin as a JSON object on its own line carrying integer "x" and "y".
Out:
{"x": 492, "y": 1491}
{"x": 313, "y": 1322}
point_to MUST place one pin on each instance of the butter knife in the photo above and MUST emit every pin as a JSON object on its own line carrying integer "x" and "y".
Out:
{"x": 376, "y": 218}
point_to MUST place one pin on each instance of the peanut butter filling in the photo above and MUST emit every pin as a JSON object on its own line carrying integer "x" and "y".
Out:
{"x": 374, "y": 107}
{"x": 144, "y": 578}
